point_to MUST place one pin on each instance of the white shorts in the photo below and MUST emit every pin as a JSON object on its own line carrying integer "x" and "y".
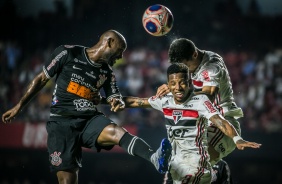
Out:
{"x": 184, "y": 171}
{"x": 223, "y": 144}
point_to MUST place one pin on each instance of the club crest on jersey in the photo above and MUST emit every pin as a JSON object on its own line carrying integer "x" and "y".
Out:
{"x": 56, "y": 159}
{"x": 177, "y": 115}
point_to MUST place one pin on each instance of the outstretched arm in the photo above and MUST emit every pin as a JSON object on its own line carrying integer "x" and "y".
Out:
{"x": 229, "y": 130}
{"x": 128, "y": 102}
{"x": 33, "y": 88}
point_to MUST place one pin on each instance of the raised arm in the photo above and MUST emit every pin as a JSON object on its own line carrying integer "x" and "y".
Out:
{"x": 33, "y": 88}
{"x": 231, "y": 132}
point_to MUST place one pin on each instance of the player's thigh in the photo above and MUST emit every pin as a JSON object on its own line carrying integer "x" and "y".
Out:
{"x": 95, "y": 128}
{"x": 221, "y": 143}
{"x": 63, "y": 145}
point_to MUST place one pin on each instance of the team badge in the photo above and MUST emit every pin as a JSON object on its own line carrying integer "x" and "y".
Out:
{"x": 56, "y": 159}
{"x": 177, "y": 115}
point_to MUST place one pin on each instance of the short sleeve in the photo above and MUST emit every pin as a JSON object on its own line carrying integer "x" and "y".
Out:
{"x": 205, "y": 107}
{"x": 56, "y": 61}
{"x": 210, "y": 74}
{"x": 156, "y": 103}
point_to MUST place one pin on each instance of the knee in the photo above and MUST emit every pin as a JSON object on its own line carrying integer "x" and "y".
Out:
{"x": 114, "y": 132}
{"x": 68, "y": 177}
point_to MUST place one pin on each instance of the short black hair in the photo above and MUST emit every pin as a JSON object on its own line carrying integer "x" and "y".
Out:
{"x": 177, "y": 68}
{"x": 181, "y": 49}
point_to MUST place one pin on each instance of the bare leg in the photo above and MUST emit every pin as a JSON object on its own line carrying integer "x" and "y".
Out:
{"x": 68, "y": 177}
{"x": 111, "y": 135}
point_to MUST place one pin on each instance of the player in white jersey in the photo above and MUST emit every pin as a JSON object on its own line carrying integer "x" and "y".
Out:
{"x": 209, "y": 75}
{"x": 186, "y": 118}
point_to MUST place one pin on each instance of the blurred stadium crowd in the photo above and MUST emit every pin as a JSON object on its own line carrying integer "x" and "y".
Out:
{"x": 249, "y": 42}
{"x": 254, "y": 63}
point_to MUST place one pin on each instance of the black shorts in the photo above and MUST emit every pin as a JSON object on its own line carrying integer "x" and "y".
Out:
{"x": 67, "y": 136}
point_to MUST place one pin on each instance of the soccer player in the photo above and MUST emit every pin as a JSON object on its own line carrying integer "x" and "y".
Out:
{"x": 74, "y": 120}
{"x": 186, "y": 122}
{"x": 210, "y": 76}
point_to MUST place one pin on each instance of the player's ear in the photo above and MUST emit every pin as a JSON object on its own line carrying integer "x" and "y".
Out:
{"x": 195, "y": 55}
{"x": 110, "y": 42}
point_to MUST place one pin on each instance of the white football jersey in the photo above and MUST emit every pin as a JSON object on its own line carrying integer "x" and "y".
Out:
{"x": 213, "y": 72}
{"x": 186, "y": 126}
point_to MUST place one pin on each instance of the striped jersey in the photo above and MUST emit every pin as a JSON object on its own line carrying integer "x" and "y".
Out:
{"x": 186, "y": 125}
{"x": 212, "y": 71}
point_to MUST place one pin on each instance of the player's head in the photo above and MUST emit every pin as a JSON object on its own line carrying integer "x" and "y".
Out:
{"x": 178, "y": 81}
{"x": 183, "y": 50}
{"x": 113, "y": 44}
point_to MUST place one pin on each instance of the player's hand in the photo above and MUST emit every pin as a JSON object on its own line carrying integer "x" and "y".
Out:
{"x": 241, "y": 144}
{"x": 162, "y": 90}
{"x": 117, "y": 104}
{"x": 96, "y": 98}
{"x": 8, "y": 116}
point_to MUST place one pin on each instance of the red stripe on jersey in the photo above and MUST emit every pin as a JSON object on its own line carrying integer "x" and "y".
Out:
{"x": 197, "y": 83}
{"x": 185, "y": 113}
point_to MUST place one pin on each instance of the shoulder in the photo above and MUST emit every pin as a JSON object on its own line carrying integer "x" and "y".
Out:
{"x": 164, "y": 100}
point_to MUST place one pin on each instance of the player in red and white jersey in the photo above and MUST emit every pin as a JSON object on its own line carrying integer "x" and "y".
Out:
{"x": 210, "y": 76}
{"x": 186, "y": 118}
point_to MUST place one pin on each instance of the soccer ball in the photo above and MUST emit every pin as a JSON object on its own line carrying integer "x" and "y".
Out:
{"x": 157, "y": 20}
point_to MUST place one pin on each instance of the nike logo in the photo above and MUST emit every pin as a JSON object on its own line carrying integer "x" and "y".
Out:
{"x": 74, "y": 67}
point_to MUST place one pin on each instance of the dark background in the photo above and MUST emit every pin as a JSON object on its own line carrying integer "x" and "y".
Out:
{"x": 246, "y": 33}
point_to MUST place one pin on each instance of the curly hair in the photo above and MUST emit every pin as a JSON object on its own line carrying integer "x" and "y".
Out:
{"x": 181, "y": 49}
{"x": 177, "y": 68}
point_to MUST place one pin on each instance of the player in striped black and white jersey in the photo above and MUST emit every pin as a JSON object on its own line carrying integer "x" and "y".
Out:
{"x": 186, "y": 118}
{"x": 210, "y": 76}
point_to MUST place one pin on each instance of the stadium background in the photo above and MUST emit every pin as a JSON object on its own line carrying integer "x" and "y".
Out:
{"x": 247, "y": 33}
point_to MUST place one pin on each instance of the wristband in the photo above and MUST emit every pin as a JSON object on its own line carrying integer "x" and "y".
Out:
{"x": 237, "y": 138}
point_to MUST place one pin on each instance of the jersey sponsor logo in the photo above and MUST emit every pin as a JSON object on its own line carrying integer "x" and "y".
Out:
{"x": 76, "y": 68}
{"x": 209, "y": 106}
{"x": 84, "y": 105}
{"x": 80, "y": 80}
{"x": 186, "y": 106}
{"x": 91, "y": 74}
{"x": 56, "y": 159}
{"x": 180, "y": 133}
{"x": 57, "y": 58}
{"x": 100, "y": 82}
{"x": 51, "y": 64}
{"x": 177, "y": 115}
{"x": 79, "y": 61}
{"x": 103, "y": 71}
{"x": 221, "y": 147}
{"x": 80, "y": 90}
{"x": 195, "y": 98}
{"x": 205, "y": 75}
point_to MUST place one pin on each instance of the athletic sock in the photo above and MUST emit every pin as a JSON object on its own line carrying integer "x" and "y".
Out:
{"x": 136, "y": 146}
